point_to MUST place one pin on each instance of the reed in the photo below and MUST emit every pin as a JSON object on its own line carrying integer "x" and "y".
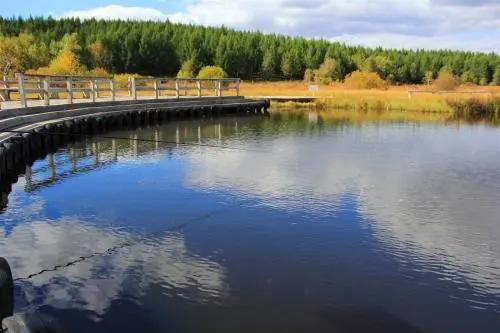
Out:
{"x": 476, "y": 108}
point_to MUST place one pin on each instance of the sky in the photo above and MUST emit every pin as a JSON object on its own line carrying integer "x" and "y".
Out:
{"x": 432, "y": 24}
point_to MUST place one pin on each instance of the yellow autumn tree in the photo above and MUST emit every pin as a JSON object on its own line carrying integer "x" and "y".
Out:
{"x": 9, "y": 55}
{"x": 20, "y": 53}
{"x": 66, "y": 63}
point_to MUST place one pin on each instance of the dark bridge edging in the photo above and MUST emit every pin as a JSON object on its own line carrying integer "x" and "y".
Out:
{"x": 8, "y": 113}
{"x": 15, "y": 118}
{"x": 25, "y": 117}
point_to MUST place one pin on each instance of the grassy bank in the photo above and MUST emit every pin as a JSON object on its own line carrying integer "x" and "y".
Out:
{"x": 395, "y": 98}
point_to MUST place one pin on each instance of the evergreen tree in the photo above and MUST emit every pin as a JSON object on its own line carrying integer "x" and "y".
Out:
{"x": 291, "y": 65}
{"x": 159, "y": 48}
{"x": 496, "y": 77}
{"x": 270, "y": 63}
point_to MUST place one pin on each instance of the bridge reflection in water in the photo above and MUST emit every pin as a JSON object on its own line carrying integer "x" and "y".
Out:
{"x": 90, "y": 153}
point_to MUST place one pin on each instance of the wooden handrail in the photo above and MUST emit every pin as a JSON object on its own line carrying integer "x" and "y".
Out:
{"x": 48, "y": 86}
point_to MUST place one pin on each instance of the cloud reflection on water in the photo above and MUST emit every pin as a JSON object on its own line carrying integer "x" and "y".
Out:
{"x": 163, "y": 261}
{"x": 431, "y": 209}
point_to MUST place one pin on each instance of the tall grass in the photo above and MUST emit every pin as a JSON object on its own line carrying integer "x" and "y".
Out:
{"x": 475, "y": 108}
{"x": 337, "y": 96}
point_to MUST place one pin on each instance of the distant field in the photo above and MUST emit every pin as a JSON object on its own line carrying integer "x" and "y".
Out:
{"x": 394, "y": 98}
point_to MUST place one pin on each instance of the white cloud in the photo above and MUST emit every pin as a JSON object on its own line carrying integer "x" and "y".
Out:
{"x": 391, "y": 23}
{"x": 116, "y": 12}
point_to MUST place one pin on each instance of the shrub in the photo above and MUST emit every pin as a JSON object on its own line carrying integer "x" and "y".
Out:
{"x": 309, "y": 75}
{"x": 187, "y": 70}
{"x": 483, "y": 81}
{"x": 428, "y": 77}
{"x": 100, "y": 72}
{"x": 329, "y": 70}
{"x": 468, "y": 77}
{"x": 39, "y": 71}
{"x": 365, "y": 80}
{"x": 211, "y": 72}
{"x": 445, "y": 81}
{"x": 124, "y": 77}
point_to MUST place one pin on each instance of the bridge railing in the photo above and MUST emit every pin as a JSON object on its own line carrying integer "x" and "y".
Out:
{"x": 35, "y": 87}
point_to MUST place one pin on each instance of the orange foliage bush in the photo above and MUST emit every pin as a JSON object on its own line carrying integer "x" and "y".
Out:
{"x": 364, "y": 80}
{"x": 446, "y": 81}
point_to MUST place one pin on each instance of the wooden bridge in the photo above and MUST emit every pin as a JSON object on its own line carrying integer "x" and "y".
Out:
{"x": 52, "y": 110}
{"x": 31, "y": 98}
{"x": 35, "y": 90}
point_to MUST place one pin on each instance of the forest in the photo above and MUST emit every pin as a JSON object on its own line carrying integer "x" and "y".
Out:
{"x": 162, "y": 48}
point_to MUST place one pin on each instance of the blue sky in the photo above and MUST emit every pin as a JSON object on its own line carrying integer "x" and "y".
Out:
{"x": 454, "y": 24}
{"x": 59, "y": 7}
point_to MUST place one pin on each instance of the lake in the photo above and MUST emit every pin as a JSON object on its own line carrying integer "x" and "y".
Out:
{"x": 300, "y": 222}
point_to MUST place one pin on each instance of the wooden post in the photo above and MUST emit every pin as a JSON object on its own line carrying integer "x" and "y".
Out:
{"x": 177, "y": 92}
{"x": 199, "y": 88}
{"x": 113, "y": 89}
{"x": 219, "y": 88}
{"x": 46, "y": 92}
{"x": 157, "y": 88}
{"x": 133, "y": 89}
{"x": 238, "y": 87}
{"x": 22, "y": 93}
{"x": 92, "y": 88}
{"x": 4, "y": 94}
{"x": 69, "y": 88}
{"x": 39, "y": 85}
{"x": 96, "y": 88}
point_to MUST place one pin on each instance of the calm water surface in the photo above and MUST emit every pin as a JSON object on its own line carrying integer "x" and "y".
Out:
{"x": 316, "y": 223}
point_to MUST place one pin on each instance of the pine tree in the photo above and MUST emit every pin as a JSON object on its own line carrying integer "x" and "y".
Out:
{"x": 496, "y": 77}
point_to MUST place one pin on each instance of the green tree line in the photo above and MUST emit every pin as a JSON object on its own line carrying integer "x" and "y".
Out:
{"x": 161, "y": 48}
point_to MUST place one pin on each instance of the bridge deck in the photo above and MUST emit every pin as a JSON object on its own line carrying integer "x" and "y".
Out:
{"x": 33, "y": 117}
{"x": 9, "y": 105}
